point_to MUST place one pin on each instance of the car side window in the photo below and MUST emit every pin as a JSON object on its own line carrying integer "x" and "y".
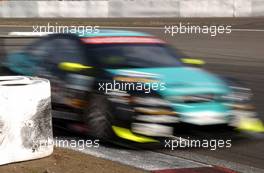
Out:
{"x": 56, "y": 50}
{"x": 67, "y": 50}
{"x": 39, "y": 50}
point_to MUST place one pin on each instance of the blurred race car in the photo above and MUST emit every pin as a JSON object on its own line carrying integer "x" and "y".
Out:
{"x": 129, "y": 85}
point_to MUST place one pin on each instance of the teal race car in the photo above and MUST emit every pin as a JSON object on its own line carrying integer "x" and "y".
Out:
{"x": 129, "y": 85}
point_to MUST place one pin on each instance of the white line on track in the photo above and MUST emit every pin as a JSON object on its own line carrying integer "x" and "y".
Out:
{"x": 142, "y": 159}
{"x": 152, "y": 161}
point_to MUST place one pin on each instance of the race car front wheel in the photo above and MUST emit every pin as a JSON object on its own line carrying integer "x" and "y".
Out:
{"x": 98, "y": 117}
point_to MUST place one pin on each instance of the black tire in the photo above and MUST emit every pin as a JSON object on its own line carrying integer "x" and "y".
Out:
{"x": 98, "y": 117}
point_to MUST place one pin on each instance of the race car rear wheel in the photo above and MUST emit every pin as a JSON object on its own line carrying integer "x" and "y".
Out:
{"x": 98, "y": 117}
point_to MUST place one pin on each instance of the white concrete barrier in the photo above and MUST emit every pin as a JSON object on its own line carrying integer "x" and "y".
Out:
{"x": 93, "y": 8}
{"x": 186, "y": 8}
{"x": 242, "y": 8}
{"x": 257, "y": 8}
{"x": 204, "y": 8}
{"x": 73, "y": 8}
{"x": 15, "y": 9}
{"x": 25, "y": 119}
{"x": 133, "y": 8}
{"x": 146, "y": 8}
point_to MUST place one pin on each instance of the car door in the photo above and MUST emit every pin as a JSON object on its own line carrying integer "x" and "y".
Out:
{"x": 69, "y": 83}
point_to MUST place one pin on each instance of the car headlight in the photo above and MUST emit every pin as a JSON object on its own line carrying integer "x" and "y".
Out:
{"x": 238, "y": 94}
{"x": 134, "y": 79}
{"x": 199, "y": 98}
{"x": 150, "y": 101}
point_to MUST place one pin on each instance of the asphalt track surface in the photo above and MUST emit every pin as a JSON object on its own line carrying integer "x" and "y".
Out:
{"x": 240, "y": 55}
